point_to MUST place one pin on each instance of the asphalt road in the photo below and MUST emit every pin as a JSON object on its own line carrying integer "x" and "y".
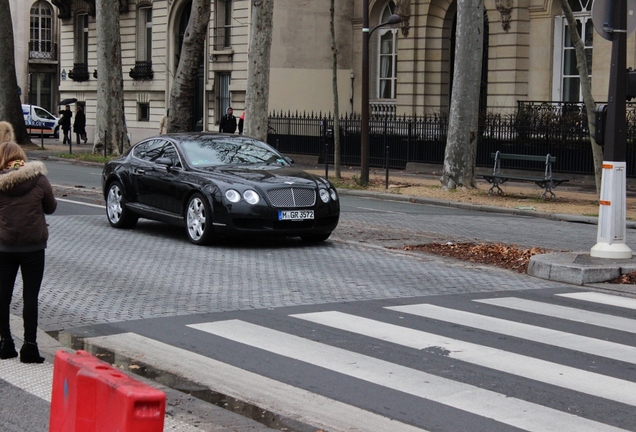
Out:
{"x": 348, "y": 334}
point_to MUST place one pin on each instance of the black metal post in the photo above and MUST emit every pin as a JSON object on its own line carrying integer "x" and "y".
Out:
{"x": 616, "y": 129}
{"x": 326, "y": 155}
{"x": 364, "y": 109}
{"x": 386, "y": 156}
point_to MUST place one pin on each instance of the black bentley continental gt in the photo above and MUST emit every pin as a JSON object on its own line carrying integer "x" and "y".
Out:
{"x": 218, "y": 185}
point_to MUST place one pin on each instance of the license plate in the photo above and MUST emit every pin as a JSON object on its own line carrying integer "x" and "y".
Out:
{"x": 295, "y": 214}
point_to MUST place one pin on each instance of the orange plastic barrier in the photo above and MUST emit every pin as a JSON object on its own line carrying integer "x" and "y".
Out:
{"x": 89, "y": 395}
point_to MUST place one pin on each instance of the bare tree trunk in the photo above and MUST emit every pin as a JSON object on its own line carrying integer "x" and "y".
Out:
{"x": 461, "y": 144}
{"x": 110, "y": 123}
{"x": 9, "y": 98}
{"x": 185, "y": 80}
{"x": 586, "y": 86}
{"x": 336, "y": 108}
{"x": 257, "y": 96}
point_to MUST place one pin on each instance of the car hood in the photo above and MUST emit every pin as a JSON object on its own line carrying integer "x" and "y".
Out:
{"x": 265, "y": 175}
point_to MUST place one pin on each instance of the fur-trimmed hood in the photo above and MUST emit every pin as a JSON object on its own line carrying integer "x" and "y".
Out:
{"x": 19, "y": 181}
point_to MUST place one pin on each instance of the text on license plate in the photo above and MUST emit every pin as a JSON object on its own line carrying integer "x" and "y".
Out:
{"x": 295, "y": 214}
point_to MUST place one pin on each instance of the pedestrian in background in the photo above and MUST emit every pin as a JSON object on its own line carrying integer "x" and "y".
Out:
{"x": 65, "y": 122}
{"x": 228, "y": 122}
{"x": 79, "y": 126}
{"x": 6, "y": 132}
{"x": 163, "y": 124}
{"x": 25, "y": 197}
{"x": 241, "y": 123}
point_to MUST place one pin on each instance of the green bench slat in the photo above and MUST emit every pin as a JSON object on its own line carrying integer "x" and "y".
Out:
{"x": 508, "y": 177}
{"x": 510, "y": 156}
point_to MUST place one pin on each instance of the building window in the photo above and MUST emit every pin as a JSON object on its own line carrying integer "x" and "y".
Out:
{"x": 41, "y": 90}
{"x": 566, "y": 83}
{"x": 144, "y": 33}
{"x": 143, "y": 65}
{"x": 41, "y": 44}
{"x": 223, "y": 20}
{"x": 387, "y": 56}
{"x": 80, "y": 66}
{"x": 224, "y": 93}
{"x": 143, "y": 112}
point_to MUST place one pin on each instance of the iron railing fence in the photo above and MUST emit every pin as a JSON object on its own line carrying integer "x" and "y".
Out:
{"x": 42, "y": 50}
{"x": 537, "y": 128}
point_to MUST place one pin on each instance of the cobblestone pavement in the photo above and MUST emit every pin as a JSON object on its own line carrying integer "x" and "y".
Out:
{"x": 96, "y": 274}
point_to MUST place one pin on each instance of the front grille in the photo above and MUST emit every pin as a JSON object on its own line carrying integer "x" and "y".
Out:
{"x": 292, "y": 197}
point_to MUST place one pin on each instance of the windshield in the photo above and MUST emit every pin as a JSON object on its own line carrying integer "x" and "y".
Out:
{"x": 214, "y": 151}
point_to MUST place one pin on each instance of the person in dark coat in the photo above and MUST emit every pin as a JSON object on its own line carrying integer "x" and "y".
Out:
{"x": 25, "y": 197}
{"x": 228, "y": 122}
{"x": 65, "y": 123}
{"x": 241, "y": 123}
{"x": 79, "y": 126}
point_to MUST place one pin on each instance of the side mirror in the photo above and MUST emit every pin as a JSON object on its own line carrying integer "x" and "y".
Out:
{"x": 167, "y": 162}
{"x": 289, "y": 160}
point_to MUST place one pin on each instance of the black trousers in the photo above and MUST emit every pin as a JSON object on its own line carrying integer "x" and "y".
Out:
{"x": 31, "y": 265}
{"x": 67, "y": 136}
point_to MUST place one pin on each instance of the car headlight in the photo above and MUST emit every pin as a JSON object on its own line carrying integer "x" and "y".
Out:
{"x": 334, "y": 195}
{"x": 232, "y": 195}
{"x": 251, "y": 196}
{"x": 324, "y": 195}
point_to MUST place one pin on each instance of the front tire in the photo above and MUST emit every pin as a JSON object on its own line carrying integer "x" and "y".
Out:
{"x": 199, "y": 220}
{"x": 119, "y": 216}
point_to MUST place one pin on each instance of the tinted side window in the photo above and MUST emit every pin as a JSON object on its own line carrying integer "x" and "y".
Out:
{"x": 140, "y": 150}
{"x": 154, "y": 149}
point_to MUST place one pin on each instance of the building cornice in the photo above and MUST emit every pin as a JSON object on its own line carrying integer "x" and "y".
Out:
{"x": 64, "y": 8}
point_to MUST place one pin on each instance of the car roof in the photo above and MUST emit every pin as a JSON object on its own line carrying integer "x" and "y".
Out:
{"x": 182, "y": 136}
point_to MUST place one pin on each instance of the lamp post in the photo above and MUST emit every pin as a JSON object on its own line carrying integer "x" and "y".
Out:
{"x": 364, "y": 121}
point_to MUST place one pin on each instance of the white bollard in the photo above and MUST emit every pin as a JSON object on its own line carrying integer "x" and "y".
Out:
{"x": 612, "y": 214}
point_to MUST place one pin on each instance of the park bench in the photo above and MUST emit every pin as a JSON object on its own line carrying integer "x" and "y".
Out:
{"x": 547, "y": 182}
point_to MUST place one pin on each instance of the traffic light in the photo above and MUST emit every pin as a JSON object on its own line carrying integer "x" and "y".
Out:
{"x": 630, "y": 90}
{"x": 599, "y": 124}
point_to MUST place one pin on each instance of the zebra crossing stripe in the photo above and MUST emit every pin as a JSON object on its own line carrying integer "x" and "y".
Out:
{"x": 486, "y": 403}
{"x": 564, "y": 312}
{"x": 528, "y": 367}
{"x": 278, "y": 397}
{"x": 607, "y": 299}
{"x": 542, "y": 335}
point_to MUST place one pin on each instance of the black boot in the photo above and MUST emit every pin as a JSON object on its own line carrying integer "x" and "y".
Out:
{"x": 7, "y": 349}
{"x": 29, "y": 353}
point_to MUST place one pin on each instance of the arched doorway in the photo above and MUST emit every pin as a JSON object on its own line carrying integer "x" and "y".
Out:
{"x": 197, "y": 101}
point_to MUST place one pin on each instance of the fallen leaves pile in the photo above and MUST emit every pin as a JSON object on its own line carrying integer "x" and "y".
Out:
{"x": 501, "y": 255}
{"x": 628, "y": 278}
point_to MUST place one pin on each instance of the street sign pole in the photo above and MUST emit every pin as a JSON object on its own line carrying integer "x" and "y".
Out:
{"x": 612, "y": 203}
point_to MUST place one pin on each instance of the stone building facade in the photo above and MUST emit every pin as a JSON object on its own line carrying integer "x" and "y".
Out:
{"x": 528, "y": 56}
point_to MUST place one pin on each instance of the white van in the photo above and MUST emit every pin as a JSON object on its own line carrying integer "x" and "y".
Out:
{"x": 38, "y": 120}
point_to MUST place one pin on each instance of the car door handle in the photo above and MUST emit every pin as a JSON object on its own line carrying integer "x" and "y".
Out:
{"x": 139, "y": 171}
